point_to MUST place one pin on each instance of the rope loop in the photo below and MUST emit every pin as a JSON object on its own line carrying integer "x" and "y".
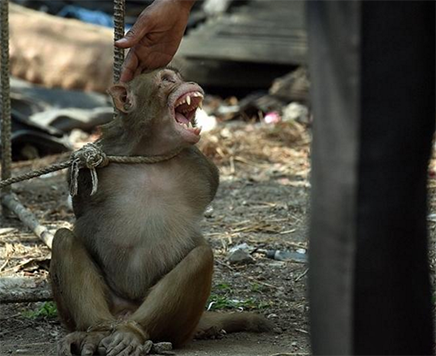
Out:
{"x": 90, "y": 156}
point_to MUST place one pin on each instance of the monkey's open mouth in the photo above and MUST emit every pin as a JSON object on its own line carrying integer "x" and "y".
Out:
{"x": 185, "y": 107}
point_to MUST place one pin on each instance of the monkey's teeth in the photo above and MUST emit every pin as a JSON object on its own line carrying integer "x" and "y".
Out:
{"x": 180, "y": 103}
{"x": 188, "y": 100}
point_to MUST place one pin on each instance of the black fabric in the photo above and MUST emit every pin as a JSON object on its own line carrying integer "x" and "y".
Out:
{"x": 373, "y": 72}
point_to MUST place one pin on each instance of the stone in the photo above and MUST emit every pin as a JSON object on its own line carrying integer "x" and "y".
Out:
{"x": 240, "y": 257}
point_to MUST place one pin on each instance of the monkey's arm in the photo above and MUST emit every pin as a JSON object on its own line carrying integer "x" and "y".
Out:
{"x": 71, "y": 270}
{"x": 210, "y": 170}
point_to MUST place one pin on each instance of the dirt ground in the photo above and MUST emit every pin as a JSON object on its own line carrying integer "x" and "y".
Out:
{"x": 262, "y": 201}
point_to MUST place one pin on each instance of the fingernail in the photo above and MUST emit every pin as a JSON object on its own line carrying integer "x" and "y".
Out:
{"x": 121, "y": 40}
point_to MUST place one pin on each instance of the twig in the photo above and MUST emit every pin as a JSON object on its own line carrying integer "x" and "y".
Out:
{"x": 296, "y": 244}
{"x": 302, "y": 331}
{"x": 21, "y": 265}
{"x": 4, "y": 264}
{"x": 240, "y": 223}
{"x": 232, "y": 165}
{"x": 224, "y": 264}
{"x": 263, "y": 283}
{"x": 287, "y": 232}
{"x": 301, "y": 275}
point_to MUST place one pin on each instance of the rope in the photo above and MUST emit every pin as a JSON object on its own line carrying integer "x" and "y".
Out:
{"x": 91, "y": 157}
{"x": 119, "y": 10}
{"x": 5, "y": 97}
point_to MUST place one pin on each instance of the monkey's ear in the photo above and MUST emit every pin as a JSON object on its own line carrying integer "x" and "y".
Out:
{"x": 123, "y": 98}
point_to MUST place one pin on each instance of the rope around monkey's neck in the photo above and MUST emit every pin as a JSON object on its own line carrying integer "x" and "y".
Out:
{"x": 90, "y": 156}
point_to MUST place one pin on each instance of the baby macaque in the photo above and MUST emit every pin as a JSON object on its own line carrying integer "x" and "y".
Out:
{"x": 136, "y": 266}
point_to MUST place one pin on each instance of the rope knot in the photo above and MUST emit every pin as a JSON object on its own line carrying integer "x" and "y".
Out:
{"x": 89, "y": 156}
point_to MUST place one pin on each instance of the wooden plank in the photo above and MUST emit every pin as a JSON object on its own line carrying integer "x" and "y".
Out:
{"x": 273, "y": 4}
{"x": 238, "y": 19}
{"x": 206, "y": 42}
{"x": 249, "y": 29}
{"x": 266, "y": 27}
{"x": 245, "y": 51}
{"x": 263, "y": 31}
{"x": 289, "y": 22}
{"x": 261, "y": 9}
{"x": 247, "y": 40}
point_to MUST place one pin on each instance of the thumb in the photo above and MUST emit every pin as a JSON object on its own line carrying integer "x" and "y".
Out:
{"x": 134, "y": 35}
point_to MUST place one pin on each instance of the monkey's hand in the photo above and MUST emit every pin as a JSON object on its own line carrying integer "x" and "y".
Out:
{"x": 155, "y": 37}
{"x": 127, "y": 339}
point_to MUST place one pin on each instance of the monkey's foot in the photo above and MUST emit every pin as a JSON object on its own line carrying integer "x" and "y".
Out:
{"x": 81, "y": 343}
{"x": 123, "y": 343}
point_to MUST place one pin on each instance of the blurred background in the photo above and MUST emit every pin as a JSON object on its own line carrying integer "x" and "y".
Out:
{"x": 250, "y": 57}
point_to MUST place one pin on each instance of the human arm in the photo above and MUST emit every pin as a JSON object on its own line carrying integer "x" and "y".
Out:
{"x": 155, "y": 37}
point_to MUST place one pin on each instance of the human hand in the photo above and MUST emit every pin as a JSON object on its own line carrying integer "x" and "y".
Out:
{"x": 155, "y": 37}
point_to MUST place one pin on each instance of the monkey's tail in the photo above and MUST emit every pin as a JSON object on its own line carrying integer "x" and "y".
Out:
{"x": 212, "y": 324}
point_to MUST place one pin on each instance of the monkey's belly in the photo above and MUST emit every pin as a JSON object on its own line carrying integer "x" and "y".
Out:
{"x": 143, "y": 264}
{"x": 140, "y": 235}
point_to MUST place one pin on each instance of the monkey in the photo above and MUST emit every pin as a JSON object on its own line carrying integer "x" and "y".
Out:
{"x": 135, "y": 266}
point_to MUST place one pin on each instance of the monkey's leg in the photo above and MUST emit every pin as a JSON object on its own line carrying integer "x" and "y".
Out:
{"x": 173, "y": 308}
{"x": 80, "y": 294}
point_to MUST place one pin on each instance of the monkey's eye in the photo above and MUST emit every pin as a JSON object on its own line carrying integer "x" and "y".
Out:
{"x": 166, "y": 77}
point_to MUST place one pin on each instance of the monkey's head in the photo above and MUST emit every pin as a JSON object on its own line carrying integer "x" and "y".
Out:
{"x": 159, "y": 104}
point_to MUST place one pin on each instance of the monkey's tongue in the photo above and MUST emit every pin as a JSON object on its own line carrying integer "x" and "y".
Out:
{"x": 181, "y": 118}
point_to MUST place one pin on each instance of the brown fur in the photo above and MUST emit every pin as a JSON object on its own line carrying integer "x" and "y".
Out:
{"x": 136, "y": 263}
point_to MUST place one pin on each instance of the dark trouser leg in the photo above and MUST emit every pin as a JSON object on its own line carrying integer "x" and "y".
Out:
{"x": 373, "y": 73}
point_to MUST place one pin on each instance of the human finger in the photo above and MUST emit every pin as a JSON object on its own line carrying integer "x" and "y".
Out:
{"x": 130, "y": 65}
{"x": 136, "y": 33}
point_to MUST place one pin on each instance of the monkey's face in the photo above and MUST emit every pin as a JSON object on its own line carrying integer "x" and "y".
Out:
{"x": 160, "y": 104}
{"x": 181, "y": 100}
